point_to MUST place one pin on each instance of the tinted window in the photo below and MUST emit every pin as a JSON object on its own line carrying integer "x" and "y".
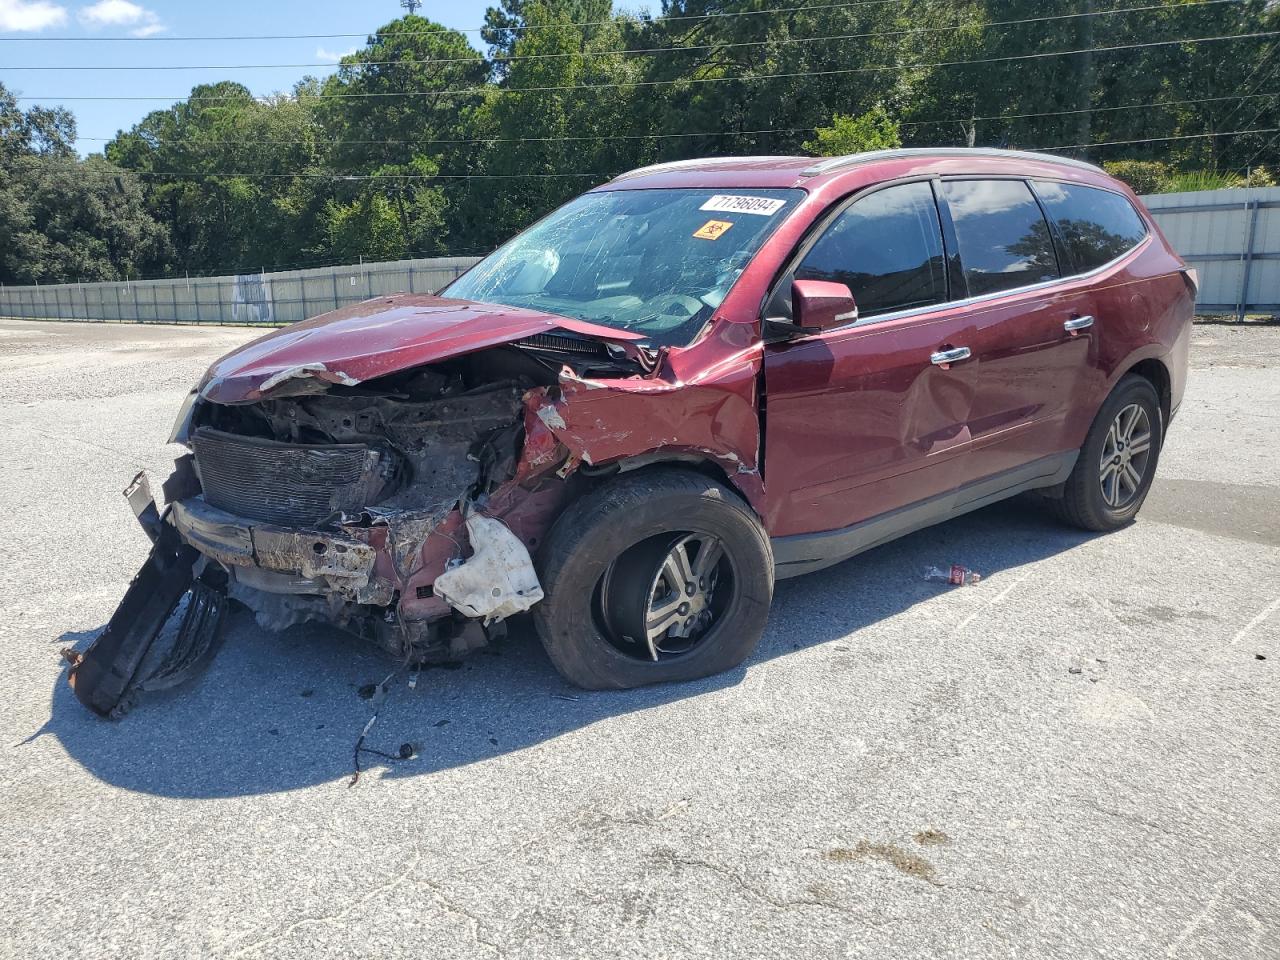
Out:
{"x": 1003, "y": 238}
{"x": 1096, "y": 225}
{"x": 887, "y": 248}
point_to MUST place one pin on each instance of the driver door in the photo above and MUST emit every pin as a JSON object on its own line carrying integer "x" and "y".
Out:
{"x": 867, "y": 419}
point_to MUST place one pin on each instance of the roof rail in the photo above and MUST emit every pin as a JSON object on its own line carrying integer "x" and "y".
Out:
{"x": 681, "y": 164}
{"x": 828, "y": 164}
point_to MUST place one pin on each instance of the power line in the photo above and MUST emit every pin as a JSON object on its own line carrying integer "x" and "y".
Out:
{"x": 1244, "y": 171}
{"x": 514, "y": 28}
{"x": 1185, "y": 136}
{"x": 674, "y": 136}
{"x": 1253, "y": 73}
{"x": 478, "y": 59}
{"x": 587, "y": 87}
{"x": 318, "y": 175}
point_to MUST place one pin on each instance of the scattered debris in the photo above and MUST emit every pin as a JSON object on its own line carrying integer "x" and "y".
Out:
{"x": 955, "y": 575}
{"x": 931, "y": 838}
{"x": 377, "y": 693}
{"x": 497, "y": 581}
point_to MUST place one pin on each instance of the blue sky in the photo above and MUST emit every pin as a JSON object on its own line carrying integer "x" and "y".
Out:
{"x": 39, "y": 33}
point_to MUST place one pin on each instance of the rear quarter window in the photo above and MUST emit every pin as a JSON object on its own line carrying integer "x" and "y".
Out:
{"x": 1096, "y": 226}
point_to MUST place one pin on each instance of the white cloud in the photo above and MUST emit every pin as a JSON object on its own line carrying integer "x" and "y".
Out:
{"x": 30, "y": 15}
{"x": 121, "y": 13}
{"x": 330, "y": 56}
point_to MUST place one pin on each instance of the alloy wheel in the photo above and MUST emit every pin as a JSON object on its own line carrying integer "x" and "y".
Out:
{"x": 1126, "y": 453}
{"x": 662, "y": 597}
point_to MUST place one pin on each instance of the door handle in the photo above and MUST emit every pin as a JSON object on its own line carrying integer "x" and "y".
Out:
{"x": 945, "y": 358}
{"x": 1076, "y": 324}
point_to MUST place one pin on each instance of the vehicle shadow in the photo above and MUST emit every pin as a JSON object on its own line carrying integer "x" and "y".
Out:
{"x": 276, "y": 713}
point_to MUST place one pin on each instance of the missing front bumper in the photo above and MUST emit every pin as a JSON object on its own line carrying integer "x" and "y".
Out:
{"x": 343, "y": 564}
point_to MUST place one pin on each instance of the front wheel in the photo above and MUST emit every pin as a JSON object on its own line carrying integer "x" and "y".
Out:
{"x": 1117, "y": 463}
{"x": 657, "y": 576}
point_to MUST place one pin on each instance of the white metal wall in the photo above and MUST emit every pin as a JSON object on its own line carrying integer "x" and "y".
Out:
{"x": 1232, "y": 238}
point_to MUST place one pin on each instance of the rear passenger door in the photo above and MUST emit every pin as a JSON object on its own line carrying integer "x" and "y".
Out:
{"x": 1031, "y": 364}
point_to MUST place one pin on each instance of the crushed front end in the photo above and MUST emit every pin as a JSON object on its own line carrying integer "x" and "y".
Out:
{"x": 401, "y": 509}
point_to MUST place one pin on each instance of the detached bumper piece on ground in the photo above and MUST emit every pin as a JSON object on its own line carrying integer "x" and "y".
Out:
{"x": 175, "y": 590}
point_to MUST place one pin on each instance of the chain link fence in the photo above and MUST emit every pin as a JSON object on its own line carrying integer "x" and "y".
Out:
{"x": 253, "y": 298}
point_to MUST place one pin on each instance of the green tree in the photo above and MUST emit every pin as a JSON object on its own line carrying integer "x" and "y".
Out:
{"x": 232, "y": 176}
{"x": 62, "y": 218}
{"x": 874, "y": 130}
{"x": 553, "y": 123}
{"x": 394, "y": 112}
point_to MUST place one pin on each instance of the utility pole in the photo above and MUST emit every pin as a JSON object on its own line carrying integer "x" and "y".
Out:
{"x": 1084, "y": 126}
{"x": 411, "y": 5}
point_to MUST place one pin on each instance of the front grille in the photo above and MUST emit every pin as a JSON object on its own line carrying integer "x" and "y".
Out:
{"x": 288, "y": 483}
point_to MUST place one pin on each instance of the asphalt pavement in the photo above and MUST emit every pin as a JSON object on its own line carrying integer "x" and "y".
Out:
{"x": 1078, "y": 757}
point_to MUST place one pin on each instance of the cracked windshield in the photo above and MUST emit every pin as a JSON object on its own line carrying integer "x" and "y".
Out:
{"x": 655, "y": 262}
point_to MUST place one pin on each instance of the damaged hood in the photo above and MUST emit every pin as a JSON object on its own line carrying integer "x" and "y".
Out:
{"x": 377, "y": 338}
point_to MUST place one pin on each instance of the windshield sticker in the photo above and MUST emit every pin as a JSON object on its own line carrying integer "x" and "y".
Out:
{"x": 760, "y": 206}
{"x": 712, "y": 229}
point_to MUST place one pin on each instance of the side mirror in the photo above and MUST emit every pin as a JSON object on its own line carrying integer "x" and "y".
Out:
{"x": 818, "y": 305}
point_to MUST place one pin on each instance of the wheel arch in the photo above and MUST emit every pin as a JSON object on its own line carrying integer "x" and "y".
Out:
{"x": 1156, "y": 372}
{"x": 697, "y": 463}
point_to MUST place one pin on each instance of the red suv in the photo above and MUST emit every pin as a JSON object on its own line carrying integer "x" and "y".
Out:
{"x": 634, "y": 416}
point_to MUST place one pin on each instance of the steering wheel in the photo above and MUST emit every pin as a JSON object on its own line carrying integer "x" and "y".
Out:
{"x": 675, "y": 305}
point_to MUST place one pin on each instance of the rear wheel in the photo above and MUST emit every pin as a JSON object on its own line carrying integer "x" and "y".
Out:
{"x": 1118, "y": 461}
{"x": 657, "y": 576}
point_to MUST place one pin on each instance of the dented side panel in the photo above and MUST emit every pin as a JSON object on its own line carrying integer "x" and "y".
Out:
{"x": 713, "y": 418}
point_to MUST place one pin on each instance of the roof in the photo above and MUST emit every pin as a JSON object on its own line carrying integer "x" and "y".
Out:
{"x": 789, "y": 171}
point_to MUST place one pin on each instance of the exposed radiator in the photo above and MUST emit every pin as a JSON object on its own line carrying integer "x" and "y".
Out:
{"x": 289, "y": 483}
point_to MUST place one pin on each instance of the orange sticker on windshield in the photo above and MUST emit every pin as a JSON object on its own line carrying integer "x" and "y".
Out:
{"x": 712, "y": 229}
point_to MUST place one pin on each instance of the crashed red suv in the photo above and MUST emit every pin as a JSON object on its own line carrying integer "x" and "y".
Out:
{"x": 636, "y": 415}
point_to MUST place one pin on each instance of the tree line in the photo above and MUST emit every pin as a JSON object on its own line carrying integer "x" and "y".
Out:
{"x": 418, "y": 144}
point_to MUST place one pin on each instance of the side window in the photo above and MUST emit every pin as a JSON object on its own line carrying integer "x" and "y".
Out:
{"x": 887, "y": 248}
{"x": 1096, "y": 225}
{"x": 1003, "y": 238}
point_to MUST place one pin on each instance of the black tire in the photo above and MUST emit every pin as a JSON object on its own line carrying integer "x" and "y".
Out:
{"x": 1083, "y": 503}
{"x": 628, "y": 512}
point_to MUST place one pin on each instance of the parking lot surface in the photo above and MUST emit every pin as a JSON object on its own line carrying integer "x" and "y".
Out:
{"x": 1077, "y": 757}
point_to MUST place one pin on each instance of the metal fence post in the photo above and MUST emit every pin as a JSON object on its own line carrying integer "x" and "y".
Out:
{"x": 1247, "y": 267}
